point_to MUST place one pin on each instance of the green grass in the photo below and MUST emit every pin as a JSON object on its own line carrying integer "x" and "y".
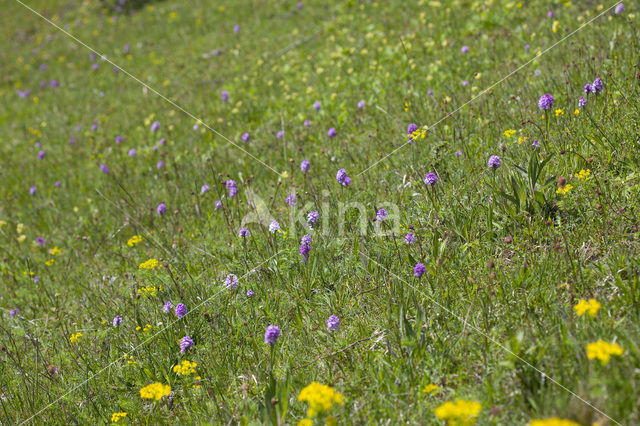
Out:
{"x": 507, "y": 256}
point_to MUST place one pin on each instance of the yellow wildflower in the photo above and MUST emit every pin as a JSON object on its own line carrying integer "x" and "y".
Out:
{"x": 584, "y": 174}
{"x": 116, "y": 417}
{"x": 320, "y": 398}
{"x": 576, "y": 112}
{"x": 49, "y": 262}
{"x": 553, "y": 421}
{"x": 591, "y": 307}
{"x": 305, "y": 422}
{"x": 564, "y": 189}
{"x": 74, "y": 337}
{"x": 508, "y": 133}
{"x": 149, "y": 264}
{"x": 55, "y": 250}
{"x": 430, "y": 388}
{"x": 603, "y": 350}
{"x": 149, "y": 290}
{"x": 155, "y": 391}
{"x": 556, "y": 26}
{"x": 185, "y": 368}
{"x": 20, "y": 228}
{"x": 133, "y": 241}
{"x": 459, "y": 412}
{"x": 559, "y": 112}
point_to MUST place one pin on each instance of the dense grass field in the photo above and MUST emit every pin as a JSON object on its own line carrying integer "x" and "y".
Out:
{"x": 326, "y": 212}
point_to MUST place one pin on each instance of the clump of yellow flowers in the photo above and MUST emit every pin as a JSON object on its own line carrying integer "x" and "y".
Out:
{"x": 155, "y": 391}
{"x": 603, "y": 351}
{"x": 116, "y": 417}
{"x": 590, "y": 307}
{"x": 75, "y": 337}
{"x": 150, "y": 264}
{"x": 320, "y": 398}
{"x": 584, "y": 174}
{"x": 185, "y": 368}
{"x": 459, "y": 412}
{"x": 135, "y": 240}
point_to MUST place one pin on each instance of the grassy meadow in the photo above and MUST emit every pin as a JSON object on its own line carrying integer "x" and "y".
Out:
{"x": 326, "y": 212}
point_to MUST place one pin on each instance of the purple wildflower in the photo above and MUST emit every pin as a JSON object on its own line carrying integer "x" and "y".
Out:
{"x": 465, "y": 82}
{"x": 545, "y": 102}
{"x": 40, "y": 241}
{"x": 410, "y": 238}
{"x": 465, "y": 49}
{"x": 204, "y": 189}
{"x": 381, "y": 215}
{"x": 274, "y": 227}
{"x": 185, "y": 343}
{"x": 587, "y": 89}
{"x": 305, "y": 247}
{"x": 243, "y": 233}
{"x": 280, "y": 134}
{"x": 527, "y": 47}
{"x": 33, "y": 190}
{"x": 291, "y": 200}
{"x": 118, "y": 140}
{"x": 333, "y": 323}
{"x": 360, "y": 104}
{"x": 494, "y": 162}
{"x": 13, "y": 312}
{"x": 224, "y": 95}
{"x": 155, "y": 126}
{"x": 132, "y": 152}
{"x": 236, "y": 29}
{"x": 299, "y": 5}
{"x": 245, "y": 137}
{"x": 430, "y": 179}
{"x": 231, "y": 282}
{"x": 582, "y": 102}
{"x": 342, "y": 177}
{"x": 41, "y": 155}
{"x": 54, "y": 83}
{"x": 166, "y": 308}
{"x": 117, "y": 320}
{"x": 332, "y": 132}
{"x": 232, "y": 187}
{"x": 305, "y": 165}
{"x": 23, "y": 93}
{"x": 419, "y": 269}
{"x": 160, "y": 164}
{"x": 94, "y": 66}
{"x": 312, "y": 218}
{"x": 411, "y": 128}
{"x": 307, "y": 123}
{"x": 271, "y": 334}
{"x": 161, "y": 209}
{"x": 458, "y": 153}
{"x": 218, "y": 204}
{"x": 250, "y": 293}
{"x": 104, "y": 169}
{"x": 619, "y": 8}
{"x": 316, "y": 105}
{"x": 597, "y": 86}
{"x": 535, "y": 143}
{"x": 180, "y": 310}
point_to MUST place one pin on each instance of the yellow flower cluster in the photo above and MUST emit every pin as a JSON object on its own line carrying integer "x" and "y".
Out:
{"x": 155, "y": 391}
{"x": 584, "y": 174}
{"x": 508, "y": 133}
{"x": 430, "y": 388}
{"x": 559, "y": 112}
{"x": 320, "y": 398}
{"x": 459, "y": 412}
{"x": 150, "y": 264}
{"x": 135, "y": 240}
{"x": 116, "y": 417}
{"x": 149, "y": 290}
{"x": 591, "y": 307}
{"x": 185, "y": 368}
{"x": 55, "y": 250}
{"x": 146, "y": 328}
{"x": 564, "y": 189}
{"x": 419, "y": 133}
{"x": 603, "y": 350}
{"x": 74, "y": 337}
{"x": 553, "y": 421}
{"x": 130, "y": 359}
